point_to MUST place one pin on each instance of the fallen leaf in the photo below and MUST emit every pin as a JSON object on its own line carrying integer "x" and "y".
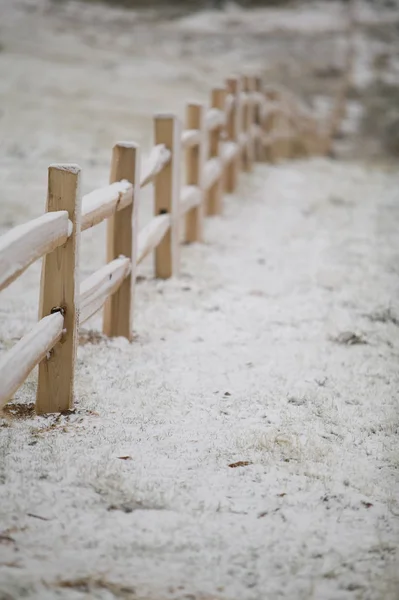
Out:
{"x": 240, "y": 463}
{"x": 281, "y": 495}
{"x": 366, "y": 504}
{"x": 125, "y": 457}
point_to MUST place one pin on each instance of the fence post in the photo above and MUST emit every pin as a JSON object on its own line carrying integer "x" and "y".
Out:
{"x": 195, "y": 159}
{"x": 59, "y": 291}
{"x": 248, "y": 120}
{"x": 122, "y": 230}
{"x": 275, "y": 125}
{"x": 233, "y": 130}
{"x": 266, "y": 124}
{"x": 215, "y": 193}
{"x": 167, "y": 195}
{"x": 258, "y": 87}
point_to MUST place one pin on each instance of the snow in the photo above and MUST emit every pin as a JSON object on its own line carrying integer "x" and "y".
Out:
{"x": 249, "y": 357}
{"x": 313, "y": 17}
{"x": 97, "y": 204}
{"x": 97, "y": 198}
{"x": 233, "y": 362}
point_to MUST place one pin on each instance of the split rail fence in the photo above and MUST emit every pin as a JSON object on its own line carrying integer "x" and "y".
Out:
{"x": 246, "y": 122}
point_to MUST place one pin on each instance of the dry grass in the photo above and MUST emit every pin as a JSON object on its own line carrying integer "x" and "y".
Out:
{"x": 276, "y": 446}
{"x": 18, "y": 410}
{"x": 385, "y": 315}
{"x": 349, "y": 338}
{"x": 90, "y": 336}
{"x": 91, "y": 585}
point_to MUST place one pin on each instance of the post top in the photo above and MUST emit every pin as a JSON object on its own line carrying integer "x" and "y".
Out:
{"x": 196, "y": 103}
{"x": 70, "y": 168}
{"x": 165, "y": 115}
{"x": 127, "y": 145}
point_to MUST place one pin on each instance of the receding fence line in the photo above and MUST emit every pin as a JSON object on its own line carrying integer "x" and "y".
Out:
{"x": 246, "y": 122}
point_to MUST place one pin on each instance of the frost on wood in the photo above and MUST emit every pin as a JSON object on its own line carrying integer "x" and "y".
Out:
{"x": 27, "y": 353}
{"x": 97, "y": 288}
{"x": 25, "y": 244}
{"x": 71, "y": 168}
{"x": 158, "y": 159}
{"x": 190, "y": 197}
{"x": 102, "y": 203}
{"x": 151, "y": 235}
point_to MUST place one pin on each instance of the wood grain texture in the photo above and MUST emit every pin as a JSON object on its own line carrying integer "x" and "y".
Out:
{"x": 167, "y": 195}
{"x": 60, "y": 291}
{"x": 248, "y": 155}
{"x": 234, "y": 120}
{"x": 122, "y": 233}
{"x": 195, "y": 161}
{"x": 214, "y": 196}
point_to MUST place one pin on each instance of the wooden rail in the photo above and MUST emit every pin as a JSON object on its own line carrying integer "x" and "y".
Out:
{"x": 101, "y": 204}
{"x": 158, "y": 159}
{"x": 245, "y": 122}
{"x": 27, "y": 353}
{"x": 151, "y": 236}
{"x": 190, "y": 138}
{"x": 23, "y": 245}
{"x": 97, "y": 288}
{"x": 190, "y": 198}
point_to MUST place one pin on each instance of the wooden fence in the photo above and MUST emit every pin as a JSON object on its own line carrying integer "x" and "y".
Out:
{"x": 245, "y": 122}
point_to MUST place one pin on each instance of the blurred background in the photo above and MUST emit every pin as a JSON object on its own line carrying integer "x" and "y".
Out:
{"x": 77, "y": 76}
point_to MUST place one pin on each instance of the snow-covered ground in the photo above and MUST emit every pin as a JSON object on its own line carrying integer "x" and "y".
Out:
{"x": 243, "y": 447}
